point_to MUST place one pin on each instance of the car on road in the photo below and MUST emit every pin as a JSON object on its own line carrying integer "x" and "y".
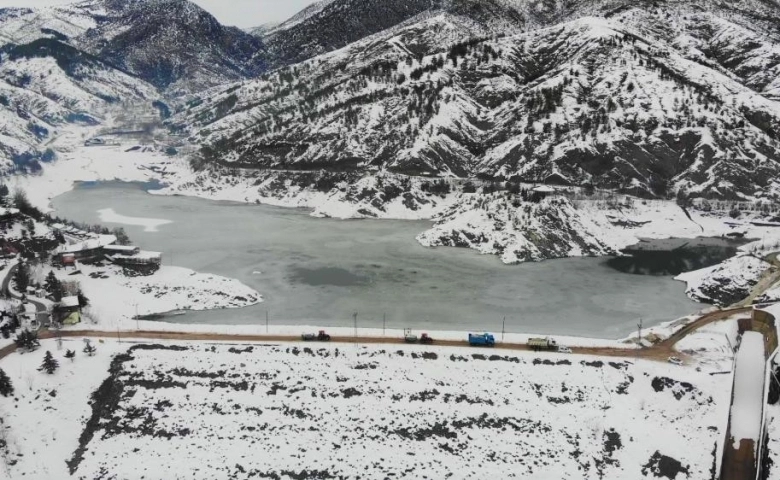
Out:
{"x": 675, "y": 361}
{"x": 562, "y": 349}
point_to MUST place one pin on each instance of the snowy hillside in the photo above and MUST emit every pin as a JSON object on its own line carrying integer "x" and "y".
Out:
{"x": 635, "y": 99}
{"x": 295, "y": 412}
{"x": 172, "y": 44}
{"x": 71, "y": 63}
{"x": 47, "y": 84}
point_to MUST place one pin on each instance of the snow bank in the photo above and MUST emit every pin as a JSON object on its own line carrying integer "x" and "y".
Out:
{"x": 748, "y": 403}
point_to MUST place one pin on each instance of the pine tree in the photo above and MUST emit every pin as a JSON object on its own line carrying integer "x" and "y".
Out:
{"x": 49, "y": 365}
{"x": 83, "y": 300}
{"x": 53, "y": 286}
{"x": 22, "y": 278}
{"x": 27, "y": 340}
{"x": 6, "y": 388}
{"x": 90, "y": 349}
{"x": 71, "y": 354}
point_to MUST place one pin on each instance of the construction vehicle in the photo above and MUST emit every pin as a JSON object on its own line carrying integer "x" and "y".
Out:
{"x": 481, "y": 340}
{"x": 320, "y": 337}
{"x": 425, "y": 339}
{"x": 537, "y": 344}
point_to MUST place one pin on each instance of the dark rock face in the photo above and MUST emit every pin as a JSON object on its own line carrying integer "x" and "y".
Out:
{"x": 170, "y": 41}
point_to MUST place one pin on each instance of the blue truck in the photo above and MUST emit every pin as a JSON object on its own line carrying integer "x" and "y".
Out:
{"x": 481, "y": 340}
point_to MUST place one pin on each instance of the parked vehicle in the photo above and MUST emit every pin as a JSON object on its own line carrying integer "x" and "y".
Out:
{"x": 320, "y": 337}
{"x": 408, "y": 337}
{"x": 675, "y": 361}
{"x": 481, "y": 340}
{"x": 425, "y": 339}
{"x": 537, "y": 344}
{"x": 562, "y": 349}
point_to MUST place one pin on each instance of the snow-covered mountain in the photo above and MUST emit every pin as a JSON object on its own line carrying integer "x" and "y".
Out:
{"x": 647, "y": 98}
{"x": 46, "y": 84}
{"x": 173, "y": 44}
{"x": 71, "y": 63}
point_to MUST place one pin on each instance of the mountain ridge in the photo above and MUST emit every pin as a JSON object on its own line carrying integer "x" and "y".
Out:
{"x": 629, "y": 102}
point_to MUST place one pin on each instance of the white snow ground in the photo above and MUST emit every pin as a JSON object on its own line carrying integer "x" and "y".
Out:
{"x": 219, "y": 411}
{"x": 116, "y": 298}
{"x": 747, "y": 407}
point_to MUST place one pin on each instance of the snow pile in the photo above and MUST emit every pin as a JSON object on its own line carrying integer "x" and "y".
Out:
{"x": 115, "y": 297}
{"x": 201, "y": 411}
{"x": 748, "y": 403}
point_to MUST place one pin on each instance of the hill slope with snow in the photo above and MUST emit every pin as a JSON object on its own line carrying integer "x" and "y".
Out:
{"x": 645, "y": 99}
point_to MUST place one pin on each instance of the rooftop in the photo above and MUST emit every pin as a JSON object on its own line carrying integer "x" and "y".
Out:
{"x": 72, "y": 301}
{"x": 91, "y": 244}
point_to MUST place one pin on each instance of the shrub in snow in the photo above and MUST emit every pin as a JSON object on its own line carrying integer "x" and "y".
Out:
{"x": 49, "y": 365}
{"x": 27, "y": 341}
{"x": 89, "y": 349}
{"x": 6, "y": 388}
{"x": 70, "y": 354}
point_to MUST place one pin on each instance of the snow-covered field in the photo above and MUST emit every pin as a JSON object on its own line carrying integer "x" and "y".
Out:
{"x": 207, "y": 411}
{"x": 116, "y": 298}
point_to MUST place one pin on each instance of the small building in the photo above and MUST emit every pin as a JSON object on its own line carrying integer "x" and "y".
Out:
{"x": 70, "y": 310}
{"x": 88, "y": 250}
{"x": 122, "y": 250}
{"x": 28, "y": 317}
{"x": 68, "y": 260}
{"x": 544, "y": 190}
{"x": 94, "y": 142}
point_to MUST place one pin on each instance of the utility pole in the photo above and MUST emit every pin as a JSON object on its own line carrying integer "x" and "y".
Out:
{"x": 503, "y": 329}
{"x": 354, "y": 319}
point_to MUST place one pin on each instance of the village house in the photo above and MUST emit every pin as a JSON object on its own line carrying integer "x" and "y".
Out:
{"x": 69, "y": 311}
{"x": 543, "y": 191}
{"x": 90, "y": 250}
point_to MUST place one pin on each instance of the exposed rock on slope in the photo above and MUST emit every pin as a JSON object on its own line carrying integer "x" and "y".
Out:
{"x": 631, "y": 101}
{"x": 726, "y": 283}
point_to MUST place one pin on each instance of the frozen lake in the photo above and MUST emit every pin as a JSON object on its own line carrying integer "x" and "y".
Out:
{"x": 320, "y": 271}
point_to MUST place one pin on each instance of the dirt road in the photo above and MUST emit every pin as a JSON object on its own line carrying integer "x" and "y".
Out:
{"x": 659, "y": 352}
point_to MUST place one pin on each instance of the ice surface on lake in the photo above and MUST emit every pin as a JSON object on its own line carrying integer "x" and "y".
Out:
{"x": 108, "y": 215}
{"x": 321, "y": 271}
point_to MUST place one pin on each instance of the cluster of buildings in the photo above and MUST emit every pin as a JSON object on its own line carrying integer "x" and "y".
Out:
{"x": 90, "y": 247}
